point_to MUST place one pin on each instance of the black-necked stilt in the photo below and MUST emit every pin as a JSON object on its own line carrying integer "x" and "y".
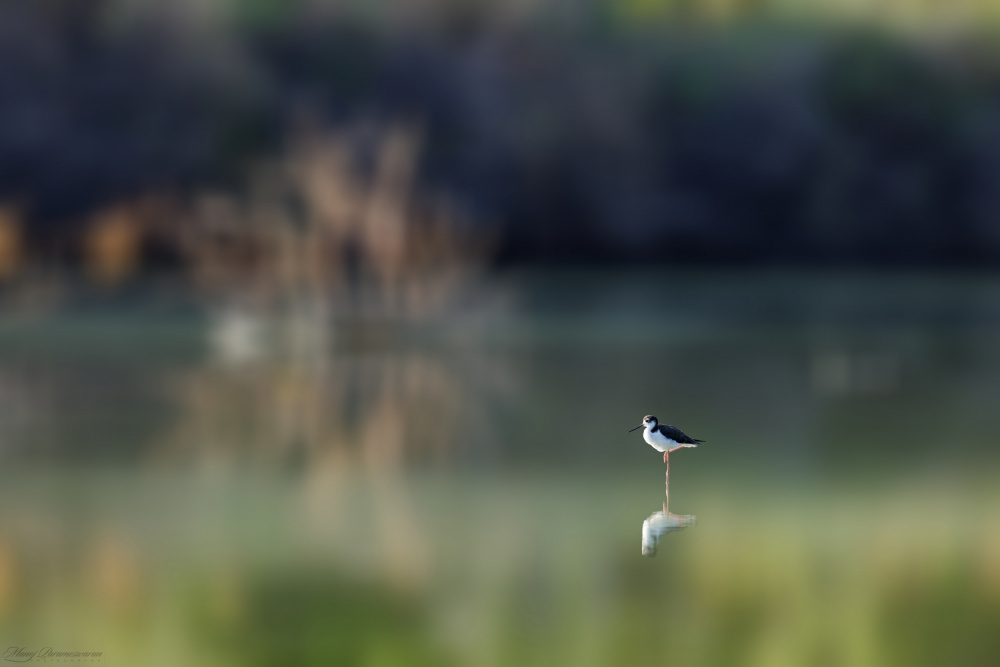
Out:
{"x": 665, "y": 438}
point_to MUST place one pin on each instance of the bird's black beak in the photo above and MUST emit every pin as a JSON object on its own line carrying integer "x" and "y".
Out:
{"x": 639, "y": 426}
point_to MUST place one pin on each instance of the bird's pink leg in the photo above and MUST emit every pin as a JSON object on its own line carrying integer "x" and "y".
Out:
{"x": 666, "y": 458}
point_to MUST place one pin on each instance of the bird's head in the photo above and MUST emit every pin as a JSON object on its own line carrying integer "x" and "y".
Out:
{"x": 649, "y": 421}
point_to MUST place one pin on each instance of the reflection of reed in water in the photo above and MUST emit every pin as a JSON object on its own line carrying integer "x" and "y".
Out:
{"x": 659, "y": 524}
{"x": 374, "y": 410}
{"x": 334, "y": 420}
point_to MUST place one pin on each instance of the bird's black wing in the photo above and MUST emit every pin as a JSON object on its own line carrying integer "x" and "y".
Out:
{"x": 677, "y": 435}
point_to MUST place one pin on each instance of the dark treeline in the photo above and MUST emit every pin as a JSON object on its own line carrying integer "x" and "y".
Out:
{"x": 575, "y": 141}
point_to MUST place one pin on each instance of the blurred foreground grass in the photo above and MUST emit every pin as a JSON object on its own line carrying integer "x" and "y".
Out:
{"x": 421, "y": 569}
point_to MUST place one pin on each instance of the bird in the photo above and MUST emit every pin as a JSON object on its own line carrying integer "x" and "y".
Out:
{"x": 664, "y": 437}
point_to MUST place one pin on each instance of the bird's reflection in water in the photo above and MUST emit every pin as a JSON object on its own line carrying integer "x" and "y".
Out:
{"x": 659, "y": 524}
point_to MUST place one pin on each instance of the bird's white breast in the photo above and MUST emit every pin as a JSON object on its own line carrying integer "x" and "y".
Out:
{"x": 658, "y": 441}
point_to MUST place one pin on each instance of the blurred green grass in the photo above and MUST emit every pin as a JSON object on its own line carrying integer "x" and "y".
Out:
{"x": 498, "y": 570}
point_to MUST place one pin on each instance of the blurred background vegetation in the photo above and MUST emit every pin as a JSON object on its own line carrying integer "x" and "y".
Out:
{"x": 321, "y": 325}
{"x": 590, "y": 131}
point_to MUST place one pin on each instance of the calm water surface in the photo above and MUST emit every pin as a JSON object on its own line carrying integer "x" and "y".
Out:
{"x": 189, "y": 488}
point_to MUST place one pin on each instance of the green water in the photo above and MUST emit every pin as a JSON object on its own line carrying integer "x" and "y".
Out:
{"x": 187, "y": 488}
